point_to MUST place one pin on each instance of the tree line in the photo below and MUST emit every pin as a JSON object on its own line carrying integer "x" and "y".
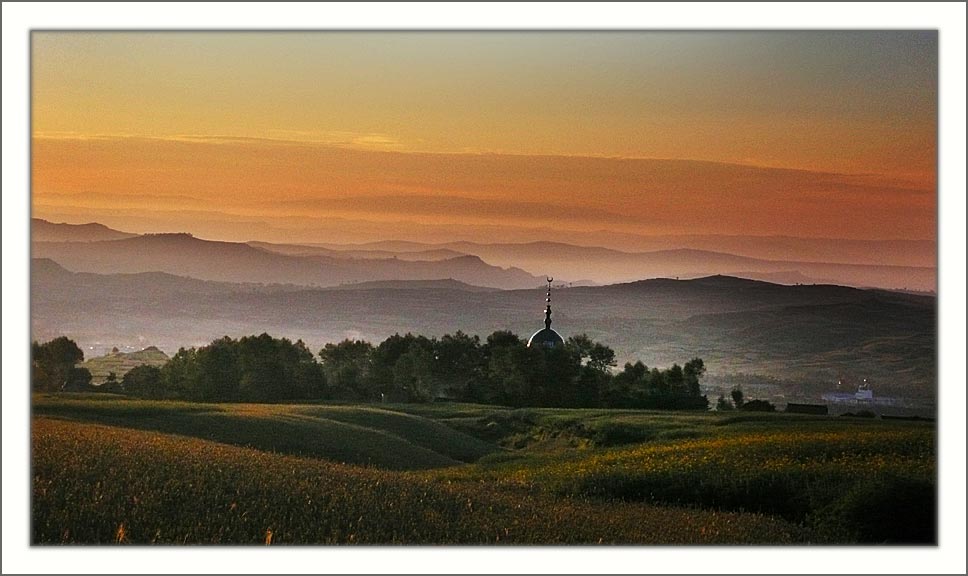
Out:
{"x": 500, "y": 369}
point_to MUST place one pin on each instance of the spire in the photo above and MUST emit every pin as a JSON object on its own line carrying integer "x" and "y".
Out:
{"x": 548, "y": 306}
{"x": 546, "y": 337}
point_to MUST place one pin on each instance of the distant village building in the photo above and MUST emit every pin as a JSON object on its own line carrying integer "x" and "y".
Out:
{"x": 546, "y": 337}
{"x": 864, "y": 396}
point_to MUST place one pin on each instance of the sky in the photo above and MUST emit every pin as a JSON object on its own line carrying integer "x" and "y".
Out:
{"x": 488, "y": 136}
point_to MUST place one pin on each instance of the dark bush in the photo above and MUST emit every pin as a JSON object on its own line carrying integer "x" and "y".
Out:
{"x": 758, "y": 406}
{"x": 861, "y": 414}
{"x": 887, "y": 510}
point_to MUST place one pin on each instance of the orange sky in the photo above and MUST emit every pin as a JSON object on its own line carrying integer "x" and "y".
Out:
{"x": 487, "y": 135}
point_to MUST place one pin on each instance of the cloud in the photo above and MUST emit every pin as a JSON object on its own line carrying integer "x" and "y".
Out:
{"x": 460, "y": 208}
{"x": 339, "y": 139}
{"x": 288, "y": 176}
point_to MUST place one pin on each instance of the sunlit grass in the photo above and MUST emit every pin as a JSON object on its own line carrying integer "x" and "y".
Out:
{"x": 99, "y": 484}
{"x": 404, "y": 473}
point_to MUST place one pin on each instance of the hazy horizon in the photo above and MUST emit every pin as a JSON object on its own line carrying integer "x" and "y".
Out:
{"x": 595, "y": 139}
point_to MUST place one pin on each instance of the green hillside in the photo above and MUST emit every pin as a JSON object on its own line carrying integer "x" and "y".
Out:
{"x": 107, "y": 485}
{"x": 121, "y": 362}
{"x": 352, "y": 434}
{"x": 109, "y": 469}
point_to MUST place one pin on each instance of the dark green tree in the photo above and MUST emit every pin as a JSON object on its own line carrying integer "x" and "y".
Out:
{"x": 79, "y": 380}
{"x": 53, "y": 364}
{"x": 144, "y": 381}
{"x": 111, "y": 384}
{"x": 693, "y": 371}
{"x": 383, "y": 368}
{"x": 601, "y": 358}
{"x": 179, "y": 374}
{"x": 737, "y": 395}
{"x": 508, "y": 380}
{"x": 413, "y": 374}
{"x": 459, "y": 365}
{"x": 347, "y": 369}
{"x": 676, "y": 380}
{"x": 217, "y": 372}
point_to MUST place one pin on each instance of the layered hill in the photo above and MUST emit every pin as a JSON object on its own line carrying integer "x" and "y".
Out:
{"x": 606, "y": 265}
{"x": 185, "y": 255}
{"x": 121, "y": 362}
{"x": 812, "y": 333}
{"x": 44, "y": 231}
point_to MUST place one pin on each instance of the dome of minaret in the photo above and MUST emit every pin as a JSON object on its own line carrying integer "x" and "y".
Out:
{"x": 546, "y": 337}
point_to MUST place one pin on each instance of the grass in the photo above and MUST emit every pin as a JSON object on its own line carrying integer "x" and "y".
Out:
{"x": 454, "y": 473}
{"x": 101, "y": 484}
{"x": 349, "y": 434}
{"x": 122, "y": 362}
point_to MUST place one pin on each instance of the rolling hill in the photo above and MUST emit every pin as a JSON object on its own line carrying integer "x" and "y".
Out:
{"x": 44, "y": 231}
{"x": 806, "y": 333}
{"x": 120, "y": 362}
{"x": 606, "y": 265}
{"x": 185, "y": 255}
{"x": 888, "y": 264}
{"x": 430, "y": 254}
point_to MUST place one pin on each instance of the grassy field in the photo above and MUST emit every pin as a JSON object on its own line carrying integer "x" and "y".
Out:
{"x": 122, "y": 362}
{"x": 109, "y": 469}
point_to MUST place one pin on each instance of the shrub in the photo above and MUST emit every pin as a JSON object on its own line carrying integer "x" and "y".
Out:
{"x": 884, "y": 510}
{"x": 758, "y": 406}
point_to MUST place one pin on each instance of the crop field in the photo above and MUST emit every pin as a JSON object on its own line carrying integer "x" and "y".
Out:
{"x": 109, "y": 470}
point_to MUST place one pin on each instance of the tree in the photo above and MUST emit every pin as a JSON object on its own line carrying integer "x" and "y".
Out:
{"x": 628, "y": 388}
{"x": 676, "y": 380}
{"x": 737, "y": 396}
{"x": 459, "y": 365}
{"x": 502, "y": 339}
{"x": 79, "y": 380}
{"x": 509, "y": 367}
{"x": 384, "y": 359}
{"x": 180, "y": 373}
{"x": 216, "y": 374}
{"x": 508, "y": 382}
{"x": 559, "y": 383}
{"x": 306, "y": 375}
{"x": 111, "y": 384}
{"x": 347, "y": 369}
{"x": 693, "y": 371}
{"x": 144, "y": 381}
{"x": 252, "y": 369}
{"x": 582, "y": 344}
{"x": 601, "y": 358}
{"x": 413, "y": 374}
{"x": 658, "y": 383}
{"x": 268, "y": 368}
{"x": 723, "y": 405}
{"x": 592, "y": 362}
{"x": 53, "y": 364}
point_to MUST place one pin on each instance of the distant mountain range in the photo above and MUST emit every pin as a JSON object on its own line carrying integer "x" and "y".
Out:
{"x": 605, "y": 265}
{"x": 184, "y": 255}
{"x": 811, "y": 334}
{"x": 44, "y": 231}
{"x": 428, "y": 255}
{"x": 95, "y": 248}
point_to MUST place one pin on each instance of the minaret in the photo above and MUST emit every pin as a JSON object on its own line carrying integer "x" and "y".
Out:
{"x": 546, "y": 337}
{"x": 548, "y": 306}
